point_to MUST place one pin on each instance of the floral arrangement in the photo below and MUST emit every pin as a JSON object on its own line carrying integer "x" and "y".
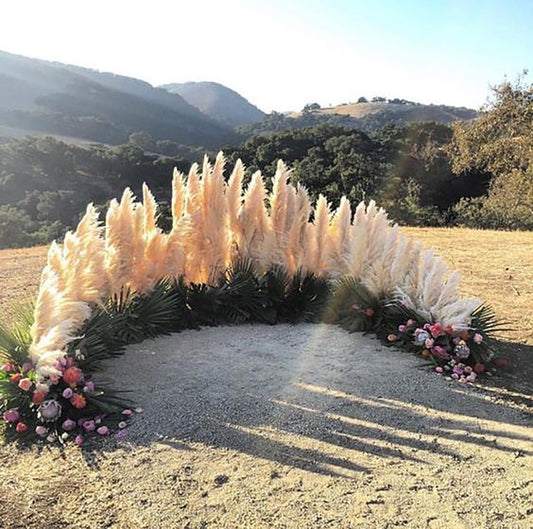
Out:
{"x": 70, "y": 407}
{"x": 232, "y": 255}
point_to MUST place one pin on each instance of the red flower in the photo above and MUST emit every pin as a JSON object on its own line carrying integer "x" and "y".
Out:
{"x": 21, "y": 427}
{"x": 38, "y": 397}
{"x": 501, "y": 363}
{"x": 479, "y": 368}
{"x": 16, "y": 378}
{"x": 73, "y": 376}
{"x": 78, "y": 401}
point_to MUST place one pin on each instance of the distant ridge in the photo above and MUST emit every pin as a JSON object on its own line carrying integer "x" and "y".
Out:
{"x": 60, "y": 99}
{"x": 218, "y": 102}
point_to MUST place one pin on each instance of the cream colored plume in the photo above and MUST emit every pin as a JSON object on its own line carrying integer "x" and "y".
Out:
{"x": 216, "y": 222}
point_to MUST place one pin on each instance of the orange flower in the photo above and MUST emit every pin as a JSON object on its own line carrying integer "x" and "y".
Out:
{"x": 73, "y": 376}
{"x": 78, "y": 401}
{"x": 425, "y": 353}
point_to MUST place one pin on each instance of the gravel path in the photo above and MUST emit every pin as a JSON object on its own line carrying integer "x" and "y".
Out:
{"x": 287, "y": 426}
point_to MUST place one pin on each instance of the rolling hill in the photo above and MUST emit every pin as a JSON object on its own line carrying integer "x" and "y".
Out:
{"x": 218, "y": 102}
{"x": 46, "y": 97}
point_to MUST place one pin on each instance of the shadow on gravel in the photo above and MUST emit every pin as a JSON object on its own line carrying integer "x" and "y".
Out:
{"x": 317, "y": 407}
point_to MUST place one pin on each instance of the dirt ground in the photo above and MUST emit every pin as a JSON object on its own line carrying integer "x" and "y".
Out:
{"x": 299, "y": 426}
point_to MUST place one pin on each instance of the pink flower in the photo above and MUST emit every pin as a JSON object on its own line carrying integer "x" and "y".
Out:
{"x": 440, "y": 352}
{"x": 79, "y": 440}
{"x": 89, "y": 387}
{"x": 478, "y": 338}
{"x": 89, "y": 426}
{"x": 49, "y": 410}
{"x": 25, "y": 384}
{"x": 436, "y": 330}
{"x": 467, "y": 370}
{"x": 21, "y": 427}
{"x": 402, "y": 328}
{"x": 429, "y": 343}
{"x": 103, "y": 430}
{"x": 54, "y": 379}
{"x": 7, "y": 368}
{"x": 73, "y": 376}
{"x": 355, "y": 306}
{"x": 392, "y": 338}
{"x": 471, "y": 378}
{"x": 369, "y": 312}
{"x": 410, "y": 323}
{"x": 439, "y": 370}
{"x": 69, "y": 425}
{"x": 11, "y": 416}
{"x": 67, "y": 393}
{"x": 458, "y": 370}
{"x": 41, "y": 431}
{"x": 127, "y": 413}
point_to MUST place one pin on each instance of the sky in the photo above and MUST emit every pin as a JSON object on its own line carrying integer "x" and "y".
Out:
{"x": 283, "y": 54}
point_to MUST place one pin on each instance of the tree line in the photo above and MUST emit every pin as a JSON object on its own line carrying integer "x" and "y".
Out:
{"x": 477, "y": 173}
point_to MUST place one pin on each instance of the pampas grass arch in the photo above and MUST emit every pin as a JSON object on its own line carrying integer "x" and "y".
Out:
{"x": 215, "y": 223}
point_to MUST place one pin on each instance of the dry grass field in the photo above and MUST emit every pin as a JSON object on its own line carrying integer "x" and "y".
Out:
{"x": 307, "y": 444}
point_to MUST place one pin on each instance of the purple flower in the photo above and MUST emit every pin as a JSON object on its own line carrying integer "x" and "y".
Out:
{"x": 103, "y": 430}
{"x": 67, "y": 393}
{"x": 121, "y": 434}
{"x": 89, "y": 386}
{"x": 79, "y": 440}
{"x": 421, "y": 336}
{"x": 127, "y": 413}
{"x": 471, "y": 377}
{"x": 69, "y": 425}
{"x": 11, "y": 416}
{"x": 88, "y": 426}
{"x": 27, "y": 366}
{"x": 458, "y": 370}
{"x": 402, "y": 328}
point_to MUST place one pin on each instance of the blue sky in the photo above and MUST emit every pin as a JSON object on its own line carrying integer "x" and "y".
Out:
{"x": 284, "y": 54}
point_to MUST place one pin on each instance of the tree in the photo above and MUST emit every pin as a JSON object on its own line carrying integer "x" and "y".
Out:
{"x": 500, "y": 142}
{"x": 143, "y": 140}
{"x": 311, "y": 107}
{"x": 362, "y": 100}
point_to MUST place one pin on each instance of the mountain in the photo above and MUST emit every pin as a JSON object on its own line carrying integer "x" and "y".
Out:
{"x": 218, "y": 102}
{"x": 38, "y": 96}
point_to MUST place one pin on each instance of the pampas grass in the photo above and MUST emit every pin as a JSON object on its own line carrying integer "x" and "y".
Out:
{"x": 217, "y": 223}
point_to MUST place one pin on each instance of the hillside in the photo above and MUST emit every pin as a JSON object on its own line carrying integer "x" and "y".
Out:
{"x": 398, "y": 112}
{"x": 218, "y": 102}
{"x": 43, "y": 97}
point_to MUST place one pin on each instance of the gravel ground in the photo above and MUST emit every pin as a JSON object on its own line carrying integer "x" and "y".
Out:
{"x": 287, "y": 426}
